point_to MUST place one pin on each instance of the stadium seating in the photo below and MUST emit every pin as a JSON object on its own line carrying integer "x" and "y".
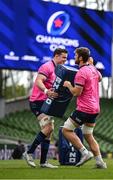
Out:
{"x": 22, "y": 125}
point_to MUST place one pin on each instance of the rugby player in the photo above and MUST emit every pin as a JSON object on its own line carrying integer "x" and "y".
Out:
{"x": 42, "y": 89}
{"x": 87, "y": 91}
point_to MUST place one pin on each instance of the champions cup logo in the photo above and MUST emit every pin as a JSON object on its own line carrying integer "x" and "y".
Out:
{"x": 58, "y": 23}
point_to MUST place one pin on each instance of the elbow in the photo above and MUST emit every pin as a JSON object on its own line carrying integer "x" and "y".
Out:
{"x": 76, "y": 94}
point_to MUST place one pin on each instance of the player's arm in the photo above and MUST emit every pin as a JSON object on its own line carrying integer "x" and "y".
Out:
{"x": 91, "y": 62}
{"x": 40, "y": 83}
{"x": 76, "y": 90}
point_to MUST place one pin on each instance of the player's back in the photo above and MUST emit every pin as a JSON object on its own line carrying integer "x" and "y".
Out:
{"x": 88, "y": 101}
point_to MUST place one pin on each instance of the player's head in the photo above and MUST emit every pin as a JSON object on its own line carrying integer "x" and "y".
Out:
{"x": 60, "y": 55}
{"x": 82, "y": 54}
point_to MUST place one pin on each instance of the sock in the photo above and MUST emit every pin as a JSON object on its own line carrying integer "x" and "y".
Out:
{"x": 98, "y": 158}
{"x": 44, "y": 150}
{"x": 83, "y": 150}
{"x": 39, "y": 138}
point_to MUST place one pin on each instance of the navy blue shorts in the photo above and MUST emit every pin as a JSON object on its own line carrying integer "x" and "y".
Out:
{"x": 35, "y": 107}
{"x": 81, "y": 117}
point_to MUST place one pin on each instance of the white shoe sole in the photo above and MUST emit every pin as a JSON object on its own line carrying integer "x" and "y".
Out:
{"x": 99, "y": 166}
{"x": 80, "y": 164}
{"x": 31, "y": 164}
{"x": 47, "y": 166}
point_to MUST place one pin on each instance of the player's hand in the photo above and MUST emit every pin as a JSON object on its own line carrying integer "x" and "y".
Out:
{"x": 52, "y": 94}
{"x": 90, "y": 61}
{"x": 67, "y": 84}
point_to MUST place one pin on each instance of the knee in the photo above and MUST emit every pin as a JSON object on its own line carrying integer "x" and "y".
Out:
{"x": 68, "y": 126}
{"x": 46, "y": 122}
{"x": 87, "y": 131}
{"x": 48, "y": 129}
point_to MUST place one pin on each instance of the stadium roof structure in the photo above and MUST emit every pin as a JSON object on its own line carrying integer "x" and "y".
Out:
{"x": 106, "y": 5}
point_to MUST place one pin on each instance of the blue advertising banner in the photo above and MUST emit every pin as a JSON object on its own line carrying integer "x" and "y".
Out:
{"x": 31, "y": 30}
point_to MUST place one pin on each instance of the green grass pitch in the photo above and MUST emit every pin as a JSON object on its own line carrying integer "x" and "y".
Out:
{"x": 18, "y": 169}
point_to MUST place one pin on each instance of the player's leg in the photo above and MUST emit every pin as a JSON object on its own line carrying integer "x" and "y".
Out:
{"x": 44, "y": 150}
{"x": 46, "y": 129}
{"x": 45, "y": 144}
{"x": 68, "y": 132}
{"x": 94, "y": 146}
{"x": 43, "y": 138}
{"x": 46, "y": 124}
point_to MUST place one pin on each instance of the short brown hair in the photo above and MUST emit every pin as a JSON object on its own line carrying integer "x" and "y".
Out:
{"x": 59, "y": 51}
{"x": 84, "y": 52}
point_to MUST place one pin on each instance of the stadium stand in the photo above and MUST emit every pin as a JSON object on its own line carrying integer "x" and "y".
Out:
{"x": 22, "y": 125}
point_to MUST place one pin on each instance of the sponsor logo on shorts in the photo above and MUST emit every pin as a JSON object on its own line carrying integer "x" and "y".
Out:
{"x": 78, "y": 120}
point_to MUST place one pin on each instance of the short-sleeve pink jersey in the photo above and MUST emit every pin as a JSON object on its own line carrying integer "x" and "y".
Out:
{"x": 48, "y": 70}
{"x": 88, "y": 77}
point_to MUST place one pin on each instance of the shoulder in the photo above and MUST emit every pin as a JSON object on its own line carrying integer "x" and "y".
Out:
{"x": 46, "y": 69}
{"x": 45, "y": 66}
{"x": 82, "y": 70}
{"x": 87, "y": 69}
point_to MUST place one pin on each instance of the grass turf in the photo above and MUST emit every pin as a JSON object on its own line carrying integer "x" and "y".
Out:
{"x": 18, "y": 169}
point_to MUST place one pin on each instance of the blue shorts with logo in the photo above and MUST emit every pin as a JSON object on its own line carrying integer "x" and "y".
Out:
{"x": 81, "y": 117}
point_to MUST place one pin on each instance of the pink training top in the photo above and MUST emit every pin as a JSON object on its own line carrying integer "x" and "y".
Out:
{"x": 88, "y": 77}
{"x": 47, "y": 70}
